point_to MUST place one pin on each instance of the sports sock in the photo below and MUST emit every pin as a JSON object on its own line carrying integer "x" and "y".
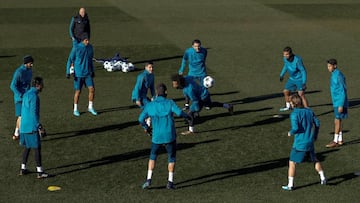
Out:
{"x": 16, "y": 133}
{"x": 91, "y": 106}
{"x": 288, "y": 105}
{"x": 322, "y": 175}
{"x": 39, "y": 169}
{"x": 291, "y": 181}
{"x": 191, "y": 129}
{"x": 75, "y": 107}
{"x": 149, "y": 174}
{"x": 171, "y": 177}
{"x": 23, "y": 166}
{"x": 336, "y": 138}
{"x": 340, "y": 138}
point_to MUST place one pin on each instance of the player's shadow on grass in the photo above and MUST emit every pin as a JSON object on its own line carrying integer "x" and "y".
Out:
{"x": 253, "y": 168}
{"x": 69, "y": 134}
{"x": 265, "y": 121}
{"x": 7, "y": 56}
{"x": 159, "y": 59}
{"x": 211, "y": 94}
{"x": 332, "y": 181}
{"x": 120, "y": 108}
{"x": 129, "y": 156}
{"x": 265, "y": 97}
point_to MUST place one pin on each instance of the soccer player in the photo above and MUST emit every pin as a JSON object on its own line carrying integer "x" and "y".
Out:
{"x": 144, "y": 83}
{"x": 305, "y": 128}
{"x": 339, "y": 99}
{"x": 161, "y": 111}
{"x": 195, "y": 56}
{"x": 31, "y": 128}
{"x": 198, "y": 96}
{"x": 21, "y": 83}
{"x": 83, "y": 72}
{"x": 79, "y": 25}
{"x": 297, "y": 81}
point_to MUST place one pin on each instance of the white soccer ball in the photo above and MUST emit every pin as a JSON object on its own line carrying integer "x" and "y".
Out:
{"x": 125, "y": 68}
{"x": 131, "y": 67}
{"x": 208, "y": 82}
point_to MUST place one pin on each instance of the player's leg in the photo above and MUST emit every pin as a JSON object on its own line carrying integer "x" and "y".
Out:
{"x": 16, "y": 134}
{"x": 192, "y": 115}
{"x": 90, "y": 84}
{"x": 151, "y": 164}
{"x": 303, "y": 98}
{"x": 25, "y": 156}
{"x": 77, "y": 87}
{"x": 337, "y": 128}
{"x": 318, "y": 167}
{"x": 171, "y": 151}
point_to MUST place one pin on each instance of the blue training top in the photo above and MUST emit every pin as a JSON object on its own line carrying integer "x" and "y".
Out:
{"x": 302, "y": 122}
{"x": 195, "y": 93}
{"x": 82, "y": 59}
{"x": 161, "y": 112}
{"x": 196, "y": 61}
{"x": 144, "y": 82}
{"x": 30, "y": 111}
{"x": 338, "y": 89}
{"x": 295, "y": 69}
{"x": 21, "y": 82}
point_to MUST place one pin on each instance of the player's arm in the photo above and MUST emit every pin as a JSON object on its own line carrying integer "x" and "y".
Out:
{"x": 282, "y": 73}
{"x": 342, "y": 93}
{"x": 317, "y": 126}
{"x": 294, "y": 125}
{"x": 143, "y": 115}
{"x": 302, "y": 70}
{"x": 137, "y": 89}
{"x": 183, "y": 63}
{"x": 14, "y": 84}
{"x": 71, "y": 29}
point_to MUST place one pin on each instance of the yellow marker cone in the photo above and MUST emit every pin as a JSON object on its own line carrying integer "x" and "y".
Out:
{"x": 54, "y": 188}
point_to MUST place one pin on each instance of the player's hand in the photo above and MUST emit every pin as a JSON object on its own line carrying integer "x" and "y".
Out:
{"x": 281, "y": 79}
{"x": 138, "y": 103}
{"x": 289, "y": 135}
{"x": 340, "y": 109}
{"x": 68, "y": 76}
{"x": 42, "y": 131}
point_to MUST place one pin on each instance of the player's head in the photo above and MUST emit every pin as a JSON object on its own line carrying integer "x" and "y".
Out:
{"x": 178, "y": 81}
{"x": 85, "y": 38}
{"x": 82, "y": 12}
{"x": 38, "y": 83}
{"x": 28, "y": 61}
{"x": 149, "y": 66}
{"x": 196, "y": 44}
{"x": 288, "y": 53}
{"x": 161, "y": 90}
{"x": 331, "y": 64}
{"x": 296, "y": 101}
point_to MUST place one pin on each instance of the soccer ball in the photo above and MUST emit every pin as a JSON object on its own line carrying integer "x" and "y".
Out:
{"x": 208, "y": 82}
{"x": 125, "y": 68}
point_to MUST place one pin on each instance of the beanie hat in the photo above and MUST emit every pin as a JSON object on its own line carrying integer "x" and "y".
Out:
{"x": 28, "y": 59}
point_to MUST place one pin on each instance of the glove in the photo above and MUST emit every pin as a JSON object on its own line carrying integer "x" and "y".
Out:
{"x": 281, "y": 78}
{"x": 42, "y": 131}
{"x": 303, "y": 87}
{"x": 186, "y": 107}
{"x": 93, "y": 74}
{"x": 148, "y": 131}
{"x": 67, "y": 76}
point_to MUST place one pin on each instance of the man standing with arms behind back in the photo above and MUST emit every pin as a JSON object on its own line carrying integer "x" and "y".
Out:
{"x": 339, "y": 100}
{"x": 84, "y": 72}
{"x": 19, "y": 85}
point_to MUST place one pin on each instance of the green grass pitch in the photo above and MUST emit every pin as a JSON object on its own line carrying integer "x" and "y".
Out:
{"x": 238, "y": 158}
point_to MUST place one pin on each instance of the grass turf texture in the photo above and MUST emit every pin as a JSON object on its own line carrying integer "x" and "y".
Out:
{"x": 239, "y": 158}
